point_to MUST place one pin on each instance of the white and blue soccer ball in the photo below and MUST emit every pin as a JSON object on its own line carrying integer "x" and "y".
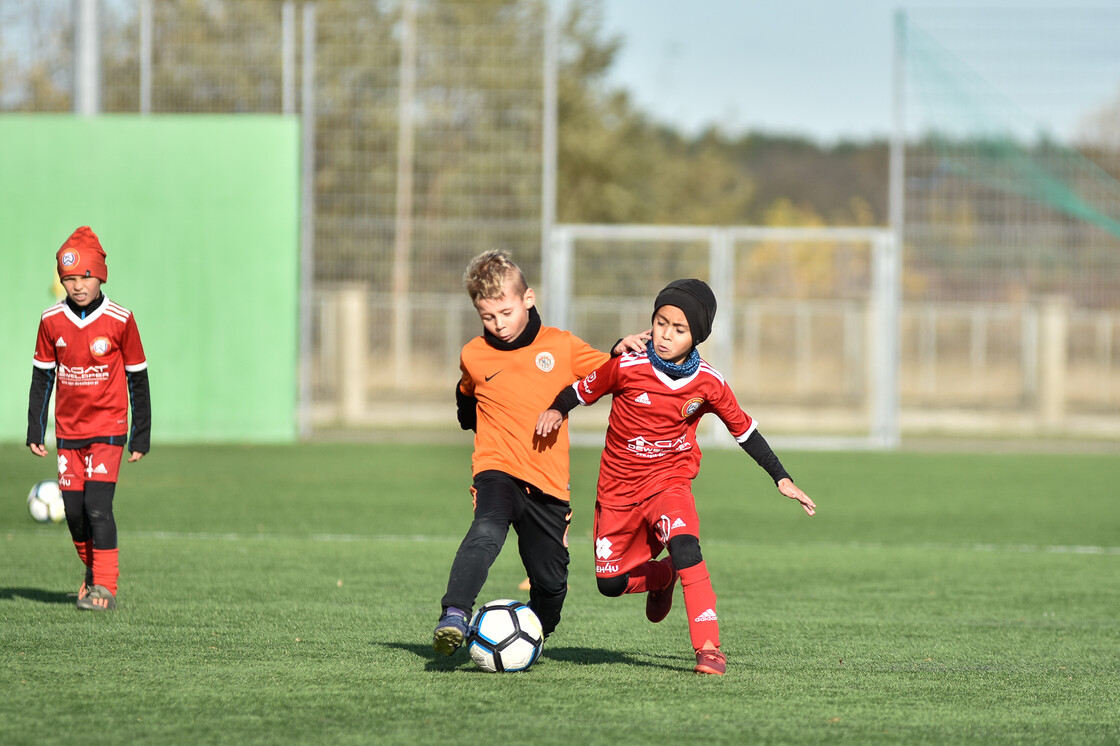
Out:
{"x": 44, "y": 502}
{"x": 504, "y": 636}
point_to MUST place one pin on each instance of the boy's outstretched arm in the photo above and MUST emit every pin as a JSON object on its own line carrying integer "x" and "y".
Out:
{"x": 758, "y": 449}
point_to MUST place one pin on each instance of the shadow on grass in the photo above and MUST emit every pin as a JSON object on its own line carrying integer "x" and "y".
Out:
{"x": 575, "y": 655}
{"x": 37, "y": 594}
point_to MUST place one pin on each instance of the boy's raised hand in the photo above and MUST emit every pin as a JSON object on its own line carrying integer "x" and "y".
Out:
{"x": 632, "y": 343}
{"x": 791, "y": 490}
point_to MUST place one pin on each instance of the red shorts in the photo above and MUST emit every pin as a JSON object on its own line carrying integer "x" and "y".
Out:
{"x": 626, "y": 537}
{"x": 97, "y": 462}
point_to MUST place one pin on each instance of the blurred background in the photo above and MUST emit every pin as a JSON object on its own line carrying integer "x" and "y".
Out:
{"x": 911, "y": 216}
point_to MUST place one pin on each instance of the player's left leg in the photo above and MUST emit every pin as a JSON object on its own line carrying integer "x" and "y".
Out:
{"x": 102, "y": 464}
{"x": 542, "y": 541}
{"x": 699, "y": 603}
{"x": 679, "y": 527}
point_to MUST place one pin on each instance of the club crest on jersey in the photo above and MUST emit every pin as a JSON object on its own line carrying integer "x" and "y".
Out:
{"x": 545, "y": 361}
{"x": 691, "y": 406}
{"x": 100, "y": 346}
{"x": 69, "y": 258}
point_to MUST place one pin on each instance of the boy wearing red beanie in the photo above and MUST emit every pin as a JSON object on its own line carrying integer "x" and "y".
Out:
{"x": 89, "y": 349}
{"x": 644, "y": 501}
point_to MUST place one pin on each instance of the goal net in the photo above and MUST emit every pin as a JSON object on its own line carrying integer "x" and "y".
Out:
{"x": 806, "y": 330}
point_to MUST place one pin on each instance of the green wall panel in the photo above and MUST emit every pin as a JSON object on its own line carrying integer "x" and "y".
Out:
{"x": 199, "y": 216}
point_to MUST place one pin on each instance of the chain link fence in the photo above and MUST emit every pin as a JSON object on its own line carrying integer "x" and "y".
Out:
{"x": 1011, "y": 229}
{"x": 431, "y": 142}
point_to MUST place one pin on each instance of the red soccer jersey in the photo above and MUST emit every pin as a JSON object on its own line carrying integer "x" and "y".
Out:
{"x": 92, "y": 356}
{"x": 651, "y": 433}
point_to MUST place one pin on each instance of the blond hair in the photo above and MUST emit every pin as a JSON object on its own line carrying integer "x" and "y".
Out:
{"x": 488, "y": 273}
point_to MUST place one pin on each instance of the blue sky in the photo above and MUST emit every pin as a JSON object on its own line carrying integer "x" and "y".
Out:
{"x": 819, "y": 68}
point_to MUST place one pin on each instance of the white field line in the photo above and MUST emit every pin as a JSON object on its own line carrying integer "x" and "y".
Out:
{"x": 422, "y": 538}
{"x": 427, "y": 539}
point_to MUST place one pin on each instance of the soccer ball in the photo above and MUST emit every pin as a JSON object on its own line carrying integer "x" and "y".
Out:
{"x": 44, "y": 502}
{"x": 504, "y": 635}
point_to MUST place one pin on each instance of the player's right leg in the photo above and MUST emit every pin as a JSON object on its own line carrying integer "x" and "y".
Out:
{"x": 542, "y": 540}
{"x": 625, "y": 547}
{"x": 659, "y": 599}
{"x": 495, "y": 495}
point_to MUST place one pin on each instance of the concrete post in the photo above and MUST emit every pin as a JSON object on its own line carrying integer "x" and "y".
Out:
{"x": 353, "y": 352}
{"x": 1053, "y": 333}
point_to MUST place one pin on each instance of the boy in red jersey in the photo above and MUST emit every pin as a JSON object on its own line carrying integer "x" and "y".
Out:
{"x": 509, "y": 374}
{"x": 90, "y": 347}
{"x": 644, "y": 497}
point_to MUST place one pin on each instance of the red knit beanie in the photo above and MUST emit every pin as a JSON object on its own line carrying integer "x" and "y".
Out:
{"x": 82, "y": 255}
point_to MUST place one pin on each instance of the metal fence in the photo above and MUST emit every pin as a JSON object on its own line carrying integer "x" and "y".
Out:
{"x": 430, "y": 128}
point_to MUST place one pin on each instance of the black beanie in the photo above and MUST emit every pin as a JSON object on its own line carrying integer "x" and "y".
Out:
{"x": 696, "y": 300}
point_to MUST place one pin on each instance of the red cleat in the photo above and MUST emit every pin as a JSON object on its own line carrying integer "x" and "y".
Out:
{"x": 710, "y": 660}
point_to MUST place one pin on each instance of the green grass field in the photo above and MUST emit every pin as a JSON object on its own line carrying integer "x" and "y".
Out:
{"x": 287, "y": 594}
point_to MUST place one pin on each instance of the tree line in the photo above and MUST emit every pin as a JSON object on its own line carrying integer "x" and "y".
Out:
{"x": 618, "y": 165}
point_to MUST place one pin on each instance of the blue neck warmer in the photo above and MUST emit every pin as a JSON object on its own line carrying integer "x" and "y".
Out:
{"x": 690, "y": 365}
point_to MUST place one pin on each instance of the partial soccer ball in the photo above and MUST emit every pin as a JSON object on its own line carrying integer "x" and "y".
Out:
{"x": 44, "y": 502}
{"x": 504, "y": 636}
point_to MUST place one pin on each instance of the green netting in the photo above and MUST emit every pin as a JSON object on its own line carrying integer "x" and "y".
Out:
{"x": 1008, "y": 196}
{"x": 979, "y": 133}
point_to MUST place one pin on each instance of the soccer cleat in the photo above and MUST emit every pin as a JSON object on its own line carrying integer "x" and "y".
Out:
{"x": 450, "y": 631}
{"x": 98, "y": 599}
{"x": 710, "y": 660}
{"x": 658, "y": 603}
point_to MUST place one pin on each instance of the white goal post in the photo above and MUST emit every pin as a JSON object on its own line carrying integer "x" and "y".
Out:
{"x": 831, "y": 325}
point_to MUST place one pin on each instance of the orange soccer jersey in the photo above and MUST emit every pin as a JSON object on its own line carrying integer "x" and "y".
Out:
{"x": 512, "y": 388}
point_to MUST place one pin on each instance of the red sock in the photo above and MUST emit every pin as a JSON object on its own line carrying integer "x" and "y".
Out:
{"x": 105, "y": 569}
{"x": 85, "y": 551}
{"x": 651, "y": 576}
{"x": 700, "y": 604}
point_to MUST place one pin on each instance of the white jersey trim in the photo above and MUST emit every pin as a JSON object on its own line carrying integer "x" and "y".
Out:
{"x": 633, "y": 358}
{"x": 743, "y": 438}
{"x": 120, "y": 313}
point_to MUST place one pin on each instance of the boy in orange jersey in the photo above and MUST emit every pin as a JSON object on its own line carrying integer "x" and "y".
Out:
{"x": 510, "y": 374}
{"x": 89, "y": 349}
{"x": 644, "y": 499}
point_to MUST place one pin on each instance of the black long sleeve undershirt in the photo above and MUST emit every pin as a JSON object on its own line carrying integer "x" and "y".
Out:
{"x": 140, "y": 400}
{"x": 466, "y": 409}
{"x": 37, "y": 400}
{"x": 758, "y": 449}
